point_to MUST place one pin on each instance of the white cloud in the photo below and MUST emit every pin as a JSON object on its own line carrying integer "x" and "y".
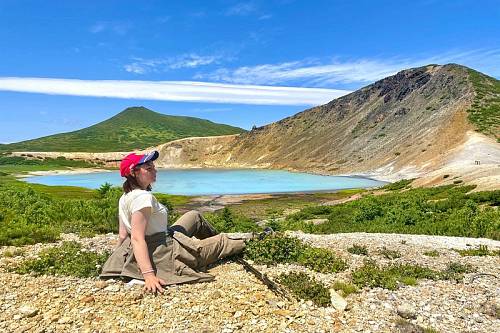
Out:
{"x": 241, "y": 9}
{"x": 120, "y": 28}
{"x": 189, "y": 60}
{"x": 313, "y": 72}
{"x": 173, "y": 91}
{"x": 192, "y": 61}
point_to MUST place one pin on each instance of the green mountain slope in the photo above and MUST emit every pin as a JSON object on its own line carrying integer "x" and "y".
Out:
{"x": 485, "y": 110}
{"x": 133, "y": 128}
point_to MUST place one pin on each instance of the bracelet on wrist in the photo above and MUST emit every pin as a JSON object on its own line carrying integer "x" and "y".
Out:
{"x": 148, "y": 271}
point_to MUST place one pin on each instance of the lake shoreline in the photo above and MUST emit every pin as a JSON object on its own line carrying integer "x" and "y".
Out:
{"x": 208, "y": 182}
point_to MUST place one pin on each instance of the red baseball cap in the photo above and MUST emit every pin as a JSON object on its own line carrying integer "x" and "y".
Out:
{"x": 132, "y": 160}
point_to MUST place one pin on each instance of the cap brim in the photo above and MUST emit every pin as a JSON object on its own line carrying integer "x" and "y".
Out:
{"x": 149, "y": 157}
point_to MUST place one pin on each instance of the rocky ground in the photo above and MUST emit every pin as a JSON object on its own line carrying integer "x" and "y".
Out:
{"x": 237, "y": 301}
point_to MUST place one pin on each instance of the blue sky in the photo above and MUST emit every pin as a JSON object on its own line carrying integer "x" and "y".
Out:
{"x": 65, "y": 65}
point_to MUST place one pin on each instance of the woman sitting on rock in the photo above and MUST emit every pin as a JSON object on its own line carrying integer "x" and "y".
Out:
{"x": 148, "y": 248}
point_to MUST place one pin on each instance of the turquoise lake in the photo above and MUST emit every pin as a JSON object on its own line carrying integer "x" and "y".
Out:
{"x": 218, "y": 181}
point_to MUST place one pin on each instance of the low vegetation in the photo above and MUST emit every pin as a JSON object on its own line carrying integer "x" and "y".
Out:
{"x": 392, "y": 276}
{"x": 358, "y": 249}
{"x": 432, "y": 253}
{"x": 485, "y": 110}
{"x": 29, "y": 216}
{"x": 279, "y": 249}
{"x": 480, "y": 251}
{"x": 344, "y": 289}
{"x": 389, "y": 254}
{"x": 59, "y": 162}
{"x": 68, "y": 259}
{"x": 446, "y": 210}
{"x": 305, "y": 287}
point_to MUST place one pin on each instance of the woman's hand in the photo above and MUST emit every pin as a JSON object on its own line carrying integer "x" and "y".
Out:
{"x": 153, "y": 283}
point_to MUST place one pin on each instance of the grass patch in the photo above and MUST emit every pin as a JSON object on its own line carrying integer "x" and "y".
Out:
{"x": 272, "y": 207}
{"x": 399, "y": 185}
{"x": 69, "y": 259}
{"x": 344, "y": 289}
{"x": 432, "y": 253}
{"x": 279, "y": 249}
{"x": 305, "y": 287}
{"x": 480, "y": 251}
{"x": 389, "y": 254}
{"x": 358, "y": 249}
{"x": 392, "y": 276}
{"x": 13, "y": 253}
{"x": 59, "y": 162}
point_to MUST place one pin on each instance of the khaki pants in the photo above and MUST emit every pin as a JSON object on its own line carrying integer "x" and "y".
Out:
{"x": 213, "y": 246}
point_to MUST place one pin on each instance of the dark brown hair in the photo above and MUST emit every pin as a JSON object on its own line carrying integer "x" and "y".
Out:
{"x": 131, "y": 184}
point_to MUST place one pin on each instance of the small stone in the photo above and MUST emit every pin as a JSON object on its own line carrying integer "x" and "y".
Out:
{"x": 238, "y": 314}
{"x": 101, "y": 284}
{"x": 28, "y": 311}
{"x": 406, "y": 311}
{"x": 65, "y": 320}
{"x": 338, "y": 302}
{"x": 112, "y": 288}
{"x": 88, "y": 299}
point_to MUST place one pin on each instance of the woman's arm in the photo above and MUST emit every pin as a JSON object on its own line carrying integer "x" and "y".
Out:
{"x": 122, "y": 231}
{"x": 139, "y": 222}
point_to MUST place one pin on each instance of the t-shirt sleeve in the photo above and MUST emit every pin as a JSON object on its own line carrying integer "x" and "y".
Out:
{"x": 142, "y": 200}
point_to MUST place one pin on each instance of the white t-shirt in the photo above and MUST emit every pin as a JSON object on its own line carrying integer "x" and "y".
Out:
{"x": 138, "y": 199}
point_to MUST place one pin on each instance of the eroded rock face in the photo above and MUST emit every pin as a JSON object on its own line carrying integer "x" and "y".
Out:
{"x": 423, "y": 117}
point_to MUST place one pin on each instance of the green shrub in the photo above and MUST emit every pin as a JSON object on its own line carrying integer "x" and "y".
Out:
{"x": 274, "y": 249}
{"x": 279, "y": 249}
{"x": 390, "y": 277}
{"x": 227, "y": 221}
{"x": 358, "y": 249}
{"x": 431, "y": 253}
{"x": 321, "y": 260}
{"x": 445, "y": 210}
{"x": 345, "y": 289}
{"x": 306, "y": 288}
{"x": 481, "y": 250}
{"x": 68, "y": 259}
{"x": 455, "y": 271}
{"x": 389, "y": 254}
{"x": 399, "y": 185}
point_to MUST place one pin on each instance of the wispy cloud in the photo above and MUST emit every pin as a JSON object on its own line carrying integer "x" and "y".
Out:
{"x": 247, "y": 8}
{"x": 241, "y": 9}
{"x": 191, "y": 60}
{"x": 120, "y": 28}
{"x": 313, "y": 72}
{"x": 173, "y": 91}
